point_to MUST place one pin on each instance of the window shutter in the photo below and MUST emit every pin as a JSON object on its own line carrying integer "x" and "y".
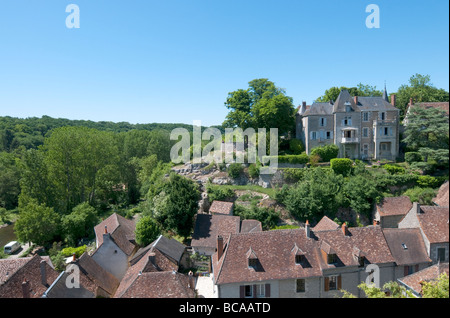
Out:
{"x": 339, "y": 282}
{"x": 242, "y": 291}
{"x": 255, "y": 291}
{"x": 327, "y": 284}
{"x": 267, "y": 290}
{"x": 405, "y": 271}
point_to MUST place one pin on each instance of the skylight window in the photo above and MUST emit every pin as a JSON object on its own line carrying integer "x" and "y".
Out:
{"x": 404, "y": 246}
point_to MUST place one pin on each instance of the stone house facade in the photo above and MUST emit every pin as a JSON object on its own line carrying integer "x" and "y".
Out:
{"x": 362, "y": 127}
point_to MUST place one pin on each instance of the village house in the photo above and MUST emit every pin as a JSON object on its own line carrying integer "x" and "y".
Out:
{"x": 208, "y": 227}
{"x": 391, "y": 211}
{"x": 362, "y": 127}
{"x": 312, "y": 263}
{"x": 27, "y": 277}
{"x": 115, "y": 242}
{"x": 414, "y": 282}
{"x": 221, "y": 207}
{"x": 433, "y": 222}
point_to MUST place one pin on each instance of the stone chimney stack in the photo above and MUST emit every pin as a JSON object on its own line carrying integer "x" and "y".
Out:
{"x": 410, "y": 102}
{"x": 393, "y": 99}
{"x": 345, "y": 229}
{"x": 43, "y": 273}
{"x": 26, "y": 289}
{"x": 219, "y": 247}
{"x": 355, "y": 99}
{"x": 307, "y": 229}
{"x": 106, "y": 229}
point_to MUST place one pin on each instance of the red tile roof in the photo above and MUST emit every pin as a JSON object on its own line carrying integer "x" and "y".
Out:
{"x": 326, "y": 224}
{"x": 29, "y": 271}
{"x": 394, "y": 206}
{"x": 414, "y": 281}
{"x": 443, "y": 195}
{"x": 407, "y": 246}
{"x": 221, "y": 207}
{"x": 121, "y": 230}
{"x": 434, "y": 223}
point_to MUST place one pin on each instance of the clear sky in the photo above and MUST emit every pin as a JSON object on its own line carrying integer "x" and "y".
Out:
{"x": 174, "y": 61}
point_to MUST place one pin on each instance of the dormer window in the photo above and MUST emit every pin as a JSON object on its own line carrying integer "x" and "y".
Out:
{"x": 331, "y": 259}
{"x": 252, "y": 260}
{"x": 252, "y": 263}
{"x": 300, "y": 259}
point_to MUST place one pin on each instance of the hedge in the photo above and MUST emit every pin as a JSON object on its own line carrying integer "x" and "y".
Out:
{"x": 292, "y": 159}
{"x": 341, "y": 166}
{"x": 394, "y": 169}
{"x": 411, "y": 157}
{"x": 326, "y": 152}
{"x": 69, "y": 251}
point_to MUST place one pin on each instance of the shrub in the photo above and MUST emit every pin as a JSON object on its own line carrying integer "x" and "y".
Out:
{"x": 293, "y": 175}
{"x": 341, "y": 166}
{"x": 392, "y": 169}
{"x": 296, "y": 146}
{"x": 69, "y": 251}
{"x": 292, "y": 159}
{"x": 235, "y": 170}
{"x": 421, "y": 195}
{"x": 411, "y": 157}
{"x": 219, "y": 193}
{"x": 253, "y": 171}
{"x": 326, "y": 152}
{"x": 428, "y": 182}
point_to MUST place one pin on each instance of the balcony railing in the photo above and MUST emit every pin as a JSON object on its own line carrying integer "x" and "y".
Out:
{"x": 346, "y": 140}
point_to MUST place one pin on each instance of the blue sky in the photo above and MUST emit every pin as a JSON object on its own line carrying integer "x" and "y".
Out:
{"x": 174, "y": 61}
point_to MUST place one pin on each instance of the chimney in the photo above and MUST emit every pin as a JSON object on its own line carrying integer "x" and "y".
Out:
{"x": 410, "y": 102}
{"x": 345, "y": 229}
{"x": 307, "y": 229}
{"x": 106, "y": 229}
{"x": 25, "y": 289}
{"x": 43, "y": 273}
{"x": 152, "y": 258}
{"x": 219, "y": 247}
{"x": 303, "y": 108}
{"x": 356, "y": 100}
{"x": 393, "y": 99}
{"x": 375, "y": 222}
{"x": 416, "y": 207}
{"x": 191, "y": 280}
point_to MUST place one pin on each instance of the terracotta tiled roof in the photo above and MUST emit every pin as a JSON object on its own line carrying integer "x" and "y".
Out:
{"x": 208, "y": 227}
{"x": 221, "y": 207}
{"x": 326, "y": 224}
{"x": 274, "y": 250}
{"x": 439, "y": 105}
{"x": 443, "y": 195}
{"x": 29, "y": 271}
{"x": 250, "y": 226}
{"x": 414, "y": 281}
{"x": 368, "y": 240}
{"x": 394, "y": 206}
{"x": 406, "y": 246}
{"x": 159, "y": 285}
{"x": 121, "y": 230}
{"x": 434, "y": 223}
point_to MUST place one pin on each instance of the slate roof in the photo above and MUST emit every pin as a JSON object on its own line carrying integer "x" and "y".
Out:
{"x": 319, "y": 109}
{"x": 394, "y": 206}
{"x": 434, "y": 223}
{"x": 26, "y": 271}
{"x": 341, "y": 102}
{"x": 171, "y": 248}
{"x": 414, "y": 281}
{"x": 406, "y": 246}
{"x": 121, "y": 230}
{"x": 375, "y": 103}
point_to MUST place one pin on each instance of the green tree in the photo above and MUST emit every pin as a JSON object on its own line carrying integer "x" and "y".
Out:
{"x": 37, "y": 223}
{"x": 79, "y": 223}
{"x": 361, "y": 193}
{"x": 427, "y": 133}
{"x": 9, "y": 181}
{"x": 437, "y": 288}
{"x": 262, "y": 105}
{"x": 420, "y": 89}
{"x": 176, "y": 212}
{"x": 317, "y": 194}
{"x": 147, "y": 230}
{"x": 332, "y": 93}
